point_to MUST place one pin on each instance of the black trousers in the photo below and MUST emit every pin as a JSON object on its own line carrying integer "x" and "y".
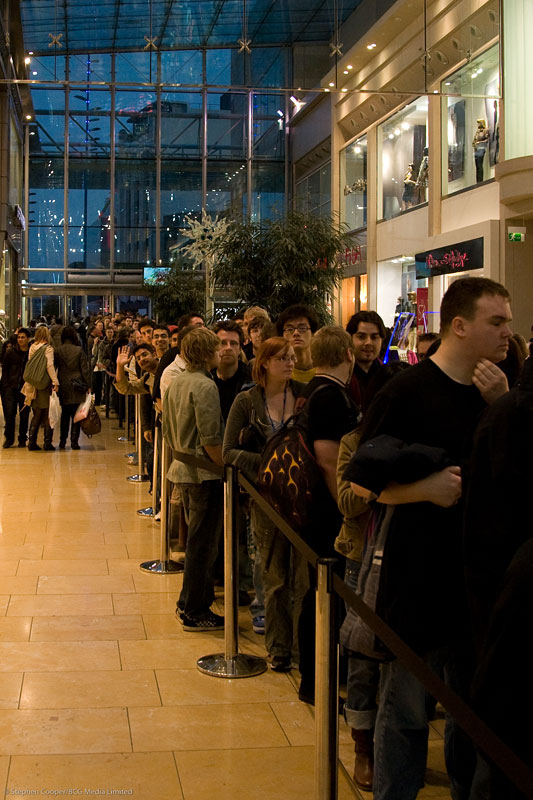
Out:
{"x": 67, "y": 414}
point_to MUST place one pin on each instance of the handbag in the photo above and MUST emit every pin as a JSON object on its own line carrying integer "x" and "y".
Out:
{"x": 36, "y": 372}
{"x": 92, "y": 423}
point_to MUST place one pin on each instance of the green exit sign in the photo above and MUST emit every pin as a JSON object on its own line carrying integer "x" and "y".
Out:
{"x": 516, "y": 237}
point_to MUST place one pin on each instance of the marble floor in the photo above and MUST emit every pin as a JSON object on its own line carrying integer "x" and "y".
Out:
{"x": 99, "y": 691}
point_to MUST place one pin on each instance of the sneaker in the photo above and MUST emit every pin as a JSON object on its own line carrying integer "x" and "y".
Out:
{"x": 7, "y": 443}
{"x": 258, "y": 624}
{"x": 207, "y": 622}
{"x": 281, "y": 663}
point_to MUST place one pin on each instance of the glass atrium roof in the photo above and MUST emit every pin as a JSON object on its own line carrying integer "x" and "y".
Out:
{"x": 64, "y": 26}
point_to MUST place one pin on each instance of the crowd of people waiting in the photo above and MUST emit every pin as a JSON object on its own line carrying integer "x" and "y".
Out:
{"x": 465, "y": 409}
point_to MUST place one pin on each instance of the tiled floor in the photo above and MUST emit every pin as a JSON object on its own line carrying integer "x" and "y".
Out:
{"x": 99, "y": 691}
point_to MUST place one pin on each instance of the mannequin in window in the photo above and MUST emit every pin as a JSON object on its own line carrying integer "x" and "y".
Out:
{"x": 422, "y": 180}
{"x": 409, "y": 188}
{"x": 480, "y": 144}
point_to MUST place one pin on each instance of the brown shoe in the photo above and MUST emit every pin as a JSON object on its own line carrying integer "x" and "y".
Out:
{"x": 363, "y": 773}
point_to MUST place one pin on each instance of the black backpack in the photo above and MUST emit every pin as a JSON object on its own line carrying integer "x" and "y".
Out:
{"x": 289, "y": 474}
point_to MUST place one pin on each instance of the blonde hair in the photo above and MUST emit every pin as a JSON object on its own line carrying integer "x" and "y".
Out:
{"x": 198, "y": 348}
{"x": 329, "y": 346}
{"x": 255, "y": 311}
{"x": 42, "y": 334}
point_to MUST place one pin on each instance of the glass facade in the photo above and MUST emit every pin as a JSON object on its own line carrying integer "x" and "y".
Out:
{"x": 471, "y": 124}
{"x": 313, "y": 193}
{"x": 353, "y": 200}
{"x": 115, "y": 168}
{"x": 403, "y": 160}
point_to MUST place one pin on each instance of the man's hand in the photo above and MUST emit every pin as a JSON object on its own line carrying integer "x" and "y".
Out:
{"x": 442, "y": 488}
{"x": 148, "y": 436}
{"x": 490, "y": 380}
{"x": 123, "y": 356}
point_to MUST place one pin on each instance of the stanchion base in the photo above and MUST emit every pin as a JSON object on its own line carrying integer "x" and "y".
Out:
{"x": 240, "y": 666}
{"x": 146, "y": 512}
{"x": 161, "y": 567}
{"x": 137, "y": 478}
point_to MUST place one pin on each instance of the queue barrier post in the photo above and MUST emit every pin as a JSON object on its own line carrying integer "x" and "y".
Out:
{"x": 231, "y": 663}
{"x": 326, "y": 686}
{"x": 163, "y": 565}
{"x": 125, "y": 436}
{"x": 139, "y": 477}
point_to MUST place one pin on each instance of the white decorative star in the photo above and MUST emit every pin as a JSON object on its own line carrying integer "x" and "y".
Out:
{"x": 151, "y": 42}
{"x": 336, "y": 49}
{"x": 55, "y": 37}
{"x": 244, "y": 45}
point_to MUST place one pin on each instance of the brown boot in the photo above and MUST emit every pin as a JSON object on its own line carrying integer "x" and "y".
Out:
{"x": 363, "y": 773}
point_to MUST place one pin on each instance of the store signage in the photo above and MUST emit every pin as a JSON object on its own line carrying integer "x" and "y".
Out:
{"x": 454, "y": 258}
{"x": 352, "y": 255}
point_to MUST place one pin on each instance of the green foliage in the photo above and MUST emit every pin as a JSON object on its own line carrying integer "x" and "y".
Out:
{"x": 177, "y": 292}
{"x": 280, "y": 262}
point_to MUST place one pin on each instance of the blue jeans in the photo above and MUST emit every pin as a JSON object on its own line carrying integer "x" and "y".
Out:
{"x": 401, "y": 737}
{"x": 203, "y": 504}
{"x": 361, "y": 706}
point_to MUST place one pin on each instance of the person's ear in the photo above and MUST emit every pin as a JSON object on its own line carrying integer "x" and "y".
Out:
{"x": 459, "y": 326}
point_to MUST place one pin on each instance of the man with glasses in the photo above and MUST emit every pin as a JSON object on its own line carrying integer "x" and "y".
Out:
{"x": 297, "y": 324}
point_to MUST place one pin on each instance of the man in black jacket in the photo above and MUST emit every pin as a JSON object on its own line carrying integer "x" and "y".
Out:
{"x": 11, "y": 384}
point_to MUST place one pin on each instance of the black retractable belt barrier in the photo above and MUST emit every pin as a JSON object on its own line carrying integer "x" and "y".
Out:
{"x": 325, "y": 709}
{"x": 140, "y": 477}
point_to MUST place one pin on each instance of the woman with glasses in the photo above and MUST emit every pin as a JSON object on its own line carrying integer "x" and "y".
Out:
{"x": 254, "y": 416}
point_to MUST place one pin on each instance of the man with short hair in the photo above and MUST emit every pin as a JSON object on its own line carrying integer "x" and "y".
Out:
{"x": 367, "y": 330}
{"x": 146, "y": 329}
{"x": 160, "y": 339}
{"x": 232, "y": 373}
{"x": 297, "y": 324}
{"x": 192, "y": 423}
{"x": 194, "y": 319}
{"x": 11, "y": 383}
{"x": 436, "y": 403}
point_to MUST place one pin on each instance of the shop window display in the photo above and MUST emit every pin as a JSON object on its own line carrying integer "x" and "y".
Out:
{"x": 471, "y": 134}
{"x": 353, "y": 184}
{"x": 403, "y": 160}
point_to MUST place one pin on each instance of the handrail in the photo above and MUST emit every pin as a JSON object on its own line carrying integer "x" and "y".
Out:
{"x": 482, "y": 735}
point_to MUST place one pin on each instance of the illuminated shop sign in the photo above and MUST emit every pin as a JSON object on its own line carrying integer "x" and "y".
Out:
{"x": 453, "y": 258}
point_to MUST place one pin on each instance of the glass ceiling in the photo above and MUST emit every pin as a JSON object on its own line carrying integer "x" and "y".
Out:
{"x": 66, "y": 26}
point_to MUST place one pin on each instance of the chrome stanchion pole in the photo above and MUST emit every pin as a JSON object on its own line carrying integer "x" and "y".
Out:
{"x": 138, "y": 477}
{"x": 163, "y": 565}
{"x": 150, "y": 511}
{"x": 231, "y": 663}
{"x": 126, "y": 421}
{"x": 130, "y": 456}
{"x": 326, "y": 686}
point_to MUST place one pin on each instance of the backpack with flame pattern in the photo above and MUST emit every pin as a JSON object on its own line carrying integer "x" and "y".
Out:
{"x": 289, "y": 472}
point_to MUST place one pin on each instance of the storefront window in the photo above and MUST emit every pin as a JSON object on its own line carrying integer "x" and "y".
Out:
{"x": 471, "y": 124}
{"x": 397, "y": 287}
{"x": 313, "y": 193}
{"x": 403, "y": 160}
{"x": 353, "y": 184}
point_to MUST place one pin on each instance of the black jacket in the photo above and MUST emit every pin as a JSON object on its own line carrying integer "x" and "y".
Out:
{"x": 71, "y": 362}
{"x": 13, "y": 368}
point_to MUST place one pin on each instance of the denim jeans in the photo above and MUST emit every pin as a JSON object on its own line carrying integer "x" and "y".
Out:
{"x": 361, "y": 707}
{"x": 13, "y": 401}
{"x": 401, "y": 737}
{"x": 203, "y": 504}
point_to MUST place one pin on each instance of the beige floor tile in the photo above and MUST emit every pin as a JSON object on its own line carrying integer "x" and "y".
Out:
{"x": 41, "y": 605}
{"x": 123, "y": 566}
{"x": 104, "y": 730}
{"x": 174, "y": 654}
{"x": 149, "y": 537}
{"x": 298, "y": 721}
{"x": 204, "y": 727}
{"x": 85, "y": 628}
{"x": 60, "y": 552}
{"x": 273, "y": 773}
{"x": 62, "y": 534}
{"x": 18, "y": 585}
{"x": 145, "y": 776}
{"x": 58, "y": 656}
{"x": 154, "y": 603}
{"x": 15, "y": 629}
{"x": 10, "y": 689}
{"x": 85, "y": 584}
{"x": 144, "y": 582}
{"x": 74, "y": 517}
{"x": 191, "y": 687}
{"x": 90, "y": 505}
{"x": 4, "y": 602}
{"x": 64, "y": 567}
{"x": 10, "y": 552}
{"x": 8, "y": 568}
{"x": 9, "y": 537}
{"x": 99, "y": 689}
{"x": 163, "y": 626}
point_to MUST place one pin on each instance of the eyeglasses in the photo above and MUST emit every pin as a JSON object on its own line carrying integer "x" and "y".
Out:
{"x": 300, "y": 328}
{"x": 286, "y": 359}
